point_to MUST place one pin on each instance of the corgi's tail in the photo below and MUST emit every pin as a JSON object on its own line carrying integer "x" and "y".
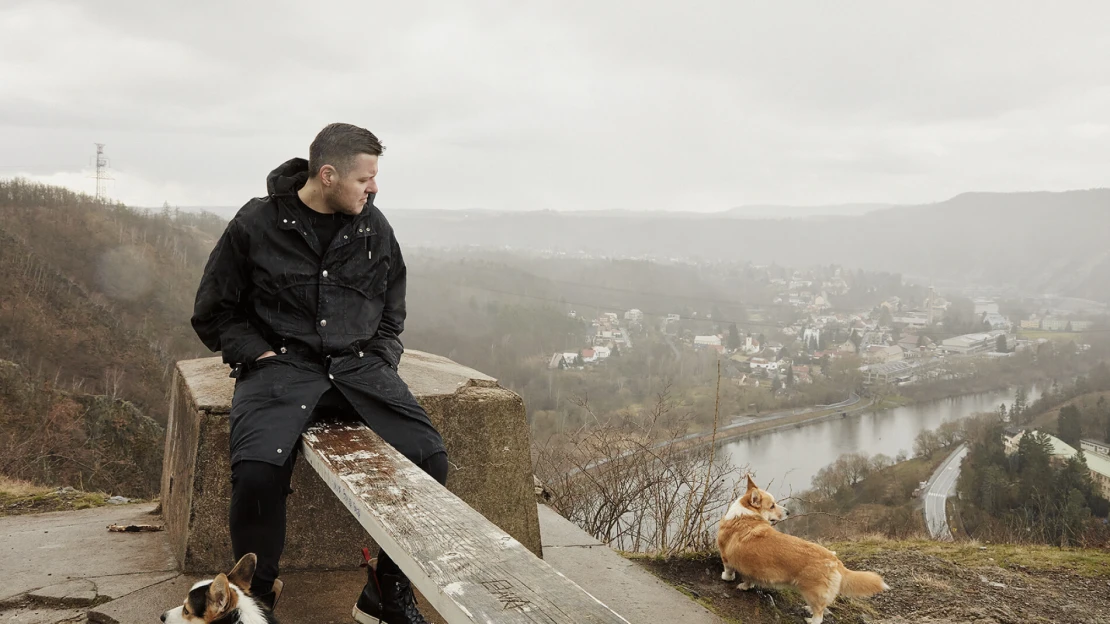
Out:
{"x": 860, "y": 584}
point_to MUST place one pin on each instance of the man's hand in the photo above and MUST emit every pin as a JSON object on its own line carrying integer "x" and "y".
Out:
{"x": 265, "y": 355}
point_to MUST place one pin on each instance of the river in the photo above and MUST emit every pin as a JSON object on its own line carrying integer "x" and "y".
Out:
{"x": 792, "y": 457}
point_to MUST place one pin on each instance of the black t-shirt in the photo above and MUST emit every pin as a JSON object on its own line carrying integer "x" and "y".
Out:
{"x": 325, "y": 225}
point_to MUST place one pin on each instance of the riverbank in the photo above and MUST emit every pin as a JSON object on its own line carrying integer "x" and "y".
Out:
{"x": 786, "y": 419}
{"x": 793, "y": 455}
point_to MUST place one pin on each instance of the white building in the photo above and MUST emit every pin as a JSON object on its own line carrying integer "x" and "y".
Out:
{"x": 912, "y": 319}
{"x": 634, "y": 316}
{"x": 997, "y": 321}
{"x": 707, "y": 341}
{"x": 972, "y": 343}
{"x": 1094, "y": 446}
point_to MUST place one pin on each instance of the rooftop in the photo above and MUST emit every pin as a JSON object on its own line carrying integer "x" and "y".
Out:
{"x": 1095, "y": 462}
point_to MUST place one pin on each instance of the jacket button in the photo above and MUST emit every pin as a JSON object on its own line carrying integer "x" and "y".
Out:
{"x": 279, "y": 450}
{"x": 360, "y": 353}
{"x": 325, "y": 273}
{"x": 330, "y": 376}
{"x": 304, "y": 407}
{"x": 323, "y": 323}
{"x": 285, "y": 220}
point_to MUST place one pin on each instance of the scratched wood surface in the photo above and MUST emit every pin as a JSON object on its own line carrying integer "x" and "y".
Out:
{"x": 467, "y": 567}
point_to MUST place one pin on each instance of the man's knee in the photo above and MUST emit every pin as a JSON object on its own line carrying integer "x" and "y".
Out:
{"x": 436, "y": 466}
{"x": 260, "y": 481}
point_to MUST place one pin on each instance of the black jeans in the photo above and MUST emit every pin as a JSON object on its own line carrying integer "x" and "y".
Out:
{"x": 257, "y": 513}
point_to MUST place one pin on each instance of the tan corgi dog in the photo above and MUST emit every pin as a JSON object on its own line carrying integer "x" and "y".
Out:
{"x": 763, "y": 556}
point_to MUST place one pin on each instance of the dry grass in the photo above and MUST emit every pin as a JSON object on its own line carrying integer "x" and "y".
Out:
{"x": 1049, "y": 419}
{"x": 1088, "y": 562}
{"x": 19, "y": 497}
{"x": 18, "y": 488}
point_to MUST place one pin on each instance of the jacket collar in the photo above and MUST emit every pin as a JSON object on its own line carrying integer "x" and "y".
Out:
{"x": 287, "y": 216}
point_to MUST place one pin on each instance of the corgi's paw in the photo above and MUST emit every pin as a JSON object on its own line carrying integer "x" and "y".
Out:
{"x": 815, "y": 620}
{"x": 728, "y": 575}
{"x": 745, "y": 586}
{"x": 808, "y": 609}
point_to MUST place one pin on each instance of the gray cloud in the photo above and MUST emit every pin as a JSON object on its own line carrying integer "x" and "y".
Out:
{"x": 569, "y": 105}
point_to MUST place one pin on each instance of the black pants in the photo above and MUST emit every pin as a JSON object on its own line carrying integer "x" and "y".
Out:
{"x": 257, "y": 514}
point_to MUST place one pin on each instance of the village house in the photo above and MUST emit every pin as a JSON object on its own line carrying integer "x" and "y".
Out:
{"x": 707, "y": 341}
{"x": 562, "y": 360}
{"x": 1098, "y": 464}
{"x": 1094, "y": 446}
{"x": 878, "y": 354}
{"x": 801, "y": 375}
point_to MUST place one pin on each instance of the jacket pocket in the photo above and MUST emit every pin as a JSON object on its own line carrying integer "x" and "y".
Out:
{"x": 387, "y": 349}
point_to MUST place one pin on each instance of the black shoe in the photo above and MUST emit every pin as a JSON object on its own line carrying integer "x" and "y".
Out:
{"x": 270, "y": 598}
{"x": 368, "y": 609}
{"x": 385, "y": 599}
{"x": 398, "y": 601}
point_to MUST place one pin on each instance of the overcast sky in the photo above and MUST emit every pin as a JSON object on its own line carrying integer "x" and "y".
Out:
{"x": 564, "y": 105}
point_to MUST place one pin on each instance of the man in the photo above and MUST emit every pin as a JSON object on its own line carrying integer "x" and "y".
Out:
{"x": 304, "y": 295}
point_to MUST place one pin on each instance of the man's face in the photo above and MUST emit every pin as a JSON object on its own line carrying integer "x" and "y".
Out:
{"x": 347, "y": 194}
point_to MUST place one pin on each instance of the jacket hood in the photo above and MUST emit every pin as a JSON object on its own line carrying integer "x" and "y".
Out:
{"x": 288, "y": 177}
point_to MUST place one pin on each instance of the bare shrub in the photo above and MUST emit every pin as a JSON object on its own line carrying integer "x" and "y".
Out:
{"x": 642, "y": 485}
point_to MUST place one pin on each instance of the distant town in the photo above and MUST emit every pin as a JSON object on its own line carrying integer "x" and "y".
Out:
{"x": 890, "y": 340}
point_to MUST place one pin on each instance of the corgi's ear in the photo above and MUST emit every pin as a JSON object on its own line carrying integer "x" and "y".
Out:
{"x": 751, "y": 484}
{"x": 219, "y": 597}
{"x": 243, "y": 572}
{"x": 756, "y": 497}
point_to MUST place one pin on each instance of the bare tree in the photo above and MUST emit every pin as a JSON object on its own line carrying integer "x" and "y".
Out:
{"x": 113, "y": 381}
{"x": 641, "y": 487}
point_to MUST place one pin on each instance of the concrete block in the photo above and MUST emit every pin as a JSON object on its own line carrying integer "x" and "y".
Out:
{"x": 483, "y": 426}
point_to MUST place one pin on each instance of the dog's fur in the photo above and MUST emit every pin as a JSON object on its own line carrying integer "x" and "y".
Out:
{"x": 225, "y": 599}
{"x": 750, "y": 546}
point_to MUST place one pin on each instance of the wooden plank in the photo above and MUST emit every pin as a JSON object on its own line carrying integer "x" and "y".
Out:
{"x": 467, "y": 567}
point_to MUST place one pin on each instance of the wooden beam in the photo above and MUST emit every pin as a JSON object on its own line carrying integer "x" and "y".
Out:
{"x": 468, "y": 568}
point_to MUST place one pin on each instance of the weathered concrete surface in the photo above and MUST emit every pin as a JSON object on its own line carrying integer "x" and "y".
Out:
{"x": 619, "y": 583}
{"x": 483, "y": 425}
{"x": 35, "y": 614}
{"x": 75, "y": 593}
{"x": 42, "y": 550}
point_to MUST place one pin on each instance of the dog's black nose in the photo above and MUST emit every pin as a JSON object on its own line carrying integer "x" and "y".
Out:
{"x": 163, "y": 618}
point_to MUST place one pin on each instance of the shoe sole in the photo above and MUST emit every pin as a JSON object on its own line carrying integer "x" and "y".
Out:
{"x": 364, "y": 618}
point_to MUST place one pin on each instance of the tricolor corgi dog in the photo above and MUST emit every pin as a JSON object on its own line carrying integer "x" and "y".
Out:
{"x": 763, "y": 556}
{"x": 225, "y": 599}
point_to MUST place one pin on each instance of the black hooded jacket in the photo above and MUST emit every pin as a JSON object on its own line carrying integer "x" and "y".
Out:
{"x": 333, "y": 316}
{"x": 269, "y": 284}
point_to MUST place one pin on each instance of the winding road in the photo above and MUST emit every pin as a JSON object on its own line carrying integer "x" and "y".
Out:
{"x": 940, "y": 487}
